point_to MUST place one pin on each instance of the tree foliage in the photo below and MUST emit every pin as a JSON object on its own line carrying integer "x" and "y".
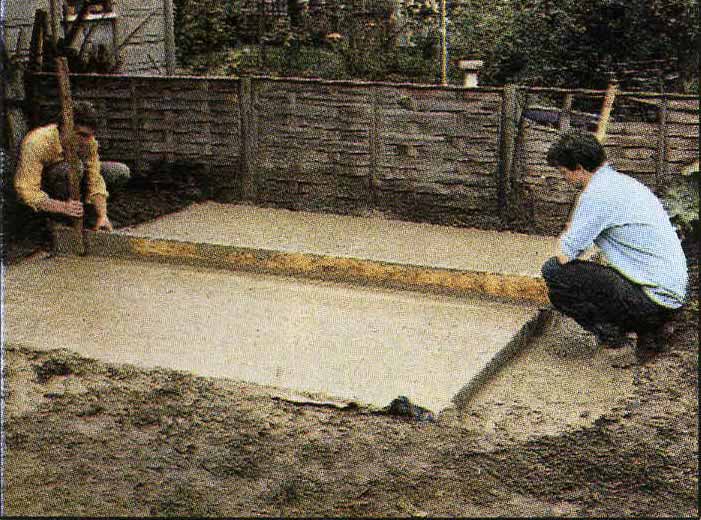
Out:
{"x": 570, "y": 43}
{"x": 573, "y": 43}
{"x": 681, "y": 200}
{"x": 476, "y": 27}
{"x": 203, "y": 27}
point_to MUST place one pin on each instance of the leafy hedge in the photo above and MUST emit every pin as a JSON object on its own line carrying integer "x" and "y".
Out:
{"x": 577, "y": 44}
{"x": 565, "y": 43}
{"x": 681, "y": 200}
{"x": 202, "y": 27}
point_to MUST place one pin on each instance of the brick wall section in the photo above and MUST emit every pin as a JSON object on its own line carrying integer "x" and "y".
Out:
{"x": 423, "y": 153}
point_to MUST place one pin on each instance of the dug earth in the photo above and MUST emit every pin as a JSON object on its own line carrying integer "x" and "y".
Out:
{"x": 87, "y": 438}
{"x": 564, "y": 430}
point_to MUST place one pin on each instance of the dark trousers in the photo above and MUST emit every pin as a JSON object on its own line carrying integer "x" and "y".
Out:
{"x": 54, "y": 181}
{"x": 601, "y": 300}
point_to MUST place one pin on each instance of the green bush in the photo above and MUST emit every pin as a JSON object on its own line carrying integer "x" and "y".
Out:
{"x": 567, "y": 43}
{"x": 202, "y": 27}
{"x": 681, "y": 200}
{"x": 577, "y": 44}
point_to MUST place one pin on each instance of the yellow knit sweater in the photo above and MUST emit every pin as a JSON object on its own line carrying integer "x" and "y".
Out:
{"x": 42, "y": 148}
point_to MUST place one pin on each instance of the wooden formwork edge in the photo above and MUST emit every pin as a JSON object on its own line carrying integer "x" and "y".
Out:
{"x": 499, "y": 286}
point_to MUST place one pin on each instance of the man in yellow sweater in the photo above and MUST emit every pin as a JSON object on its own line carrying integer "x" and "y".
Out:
{"x": 41, "y": 180}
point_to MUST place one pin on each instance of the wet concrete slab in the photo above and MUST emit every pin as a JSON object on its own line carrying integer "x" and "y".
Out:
{"x": 357, "y": 343}
{"x": 364, "y": 250}
{"x": 372, "y": 238}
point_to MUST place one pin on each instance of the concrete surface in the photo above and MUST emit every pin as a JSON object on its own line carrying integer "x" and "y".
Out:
{"x": 361, "y": 250}
{"x": 372, "y": 238}
{"x": 365, "y": 344}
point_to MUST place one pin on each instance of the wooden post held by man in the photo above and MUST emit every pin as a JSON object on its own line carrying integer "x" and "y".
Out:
{"x": 68, "y": 141}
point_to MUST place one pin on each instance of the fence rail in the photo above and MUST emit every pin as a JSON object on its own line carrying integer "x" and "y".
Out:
{"x": 442, "y": 154}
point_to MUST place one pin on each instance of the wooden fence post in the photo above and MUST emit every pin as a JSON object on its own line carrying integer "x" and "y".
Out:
{"x": 566, "y": 112}
{"x": 168, "y": 16}
{"x": 507, "y": 146}
{"x": 136, "y": 127}
{"x": 55, "y": 16}
{"x": 208, "y": 149}
{"x": 444, "y": 43}
{"x": 374, "y": 146}
{"x": 208, "y": 111}
{"x": 606, "y": 111}
{"x": 248, "y": 141}
{"x": 68, "y": 140}
{"x": 116, "y": 55}
{"x": 169, "y": 136}
{"x": 517, "y": 210}
{"x": 36, "y": 46}
{"x": 661, "y": 163}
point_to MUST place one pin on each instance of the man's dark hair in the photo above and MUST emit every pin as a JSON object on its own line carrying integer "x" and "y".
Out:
{"x": 577, "y": 148}
{"x": 84, "y": 114}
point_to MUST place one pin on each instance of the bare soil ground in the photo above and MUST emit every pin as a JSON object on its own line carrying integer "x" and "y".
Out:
{"x": 88, "y": 438}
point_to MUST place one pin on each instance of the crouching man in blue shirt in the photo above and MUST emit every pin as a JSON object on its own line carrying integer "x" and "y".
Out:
{"x": 645, "y": 279}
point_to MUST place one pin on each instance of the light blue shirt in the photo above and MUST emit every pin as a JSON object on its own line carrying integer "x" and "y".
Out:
{"x": 628, "y": 223}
